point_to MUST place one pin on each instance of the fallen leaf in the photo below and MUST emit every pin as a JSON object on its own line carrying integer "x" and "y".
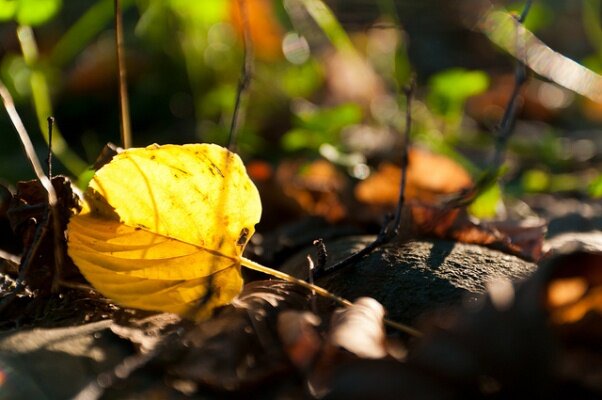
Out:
{"x": 359, "y": 328}
{"x": 356, "y": 332}
{"x": 300, "y": 338}
{"x": 437, "y": 193}
{"x": 428, "y": 176}
{"x": 239, "y": 349}
{"x": 164, "y": 228}
{"x": 317, "y": 187}
{"x": 522, "y": 238}
{"x": 572, "y": 298}
{"x": 575, "y": 288}
{"x": 537, "y": 100}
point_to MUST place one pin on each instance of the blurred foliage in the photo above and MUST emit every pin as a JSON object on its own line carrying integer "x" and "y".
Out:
{"x": 540, "y": 15}
{"x": 314, "y": 127}
{"x": 595, "y": 188}
{"x": 29, "y": 12}
{"x": 486, "y": 205}
{"x": 315, "y": 76}
{"x": 450, "y": 89}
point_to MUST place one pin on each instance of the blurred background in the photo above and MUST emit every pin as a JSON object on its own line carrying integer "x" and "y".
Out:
{"x": 325, "y": 86}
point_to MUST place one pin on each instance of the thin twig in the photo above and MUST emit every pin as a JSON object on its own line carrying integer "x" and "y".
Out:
{"x": 391, "y": 225}
{"x": 505, "y": 128}
{"x": 503, "y": 132}
{"x": 286, "y": 277}
{"x": 310, "y": 274}
{"x": 9, "y": 104}
{"x": 507, "y": 123}
{"x": 322, "y": 253}
{"x": 58, "y": 238}
{"x": 245, "y": 77}
{"x": 409, "y": 94}
{"x": 321, "y": 291}
{"x": 126, "y": 130}
{"x": 523, "y": 14}
{"x": 353, "y": 258}
{"x": 30, "y": 152}
{"x": 50, "y": 121}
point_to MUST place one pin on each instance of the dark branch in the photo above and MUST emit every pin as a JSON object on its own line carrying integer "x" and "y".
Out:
{"x": 390, "y": 227}
{"x": 409, "y": 94}
{"x": 506, "y": 126}
{"x": 245, "y": 76}
{"x": 50, "y": 121}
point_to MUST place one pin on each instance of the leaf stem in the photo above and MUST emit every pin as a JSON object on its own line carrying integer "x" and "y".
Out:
{"x": 289, "y": 278}
{"x": 321, "y": 291}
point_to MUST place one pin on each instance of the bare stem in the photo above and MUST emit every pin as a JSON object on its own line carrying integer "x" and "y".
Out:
{"x": 49, "y": 159}
{"x": 245, "y": 76}
{"x": 409, "y": 93}
{"x": 507, "y": 123}
{"x": 126, "y": 130}
{"x": 390, "y": 227}
{"x": 321, "y": 291}
{"x": 9, "y": 104}
{"x": 504, "y": 129}
{"x": 46, "y": 183}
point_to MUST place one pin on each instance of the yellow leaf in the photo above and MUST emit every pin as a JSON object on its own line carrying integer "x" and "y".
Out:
{"x": 164, "y": 228}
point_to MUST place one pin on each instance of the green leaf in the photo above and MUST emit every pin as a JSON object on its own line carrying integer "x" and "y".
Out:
{"x": 301, "y": 80}
{"x": 297, "y": 139}
{"x": 331, "y": 119}
{"x": 595, "y": 187}
{"x": 535, "y": 180}
{"x": 315, "y": 127}
{"x": 450, "y": 89}
{"x": 486, "y": 204}
{"x": 36, "y": 12}
{"x": 8, "y": 8}
{"x": 205, "y": 13}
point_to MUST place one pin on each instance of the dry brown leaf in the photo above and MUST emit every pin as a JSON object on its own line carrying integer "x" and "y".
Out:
{"x": 239, "y": 349}
{"x": 359, "y": 329}
{"x": 300, "y": 339}
{"x": 428, "y": 176}
{"x": 538, "y": 100}
{"x": 316, "y": 187}
{"x": 576, "y": 289}
{"x": 521, "y": 238}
